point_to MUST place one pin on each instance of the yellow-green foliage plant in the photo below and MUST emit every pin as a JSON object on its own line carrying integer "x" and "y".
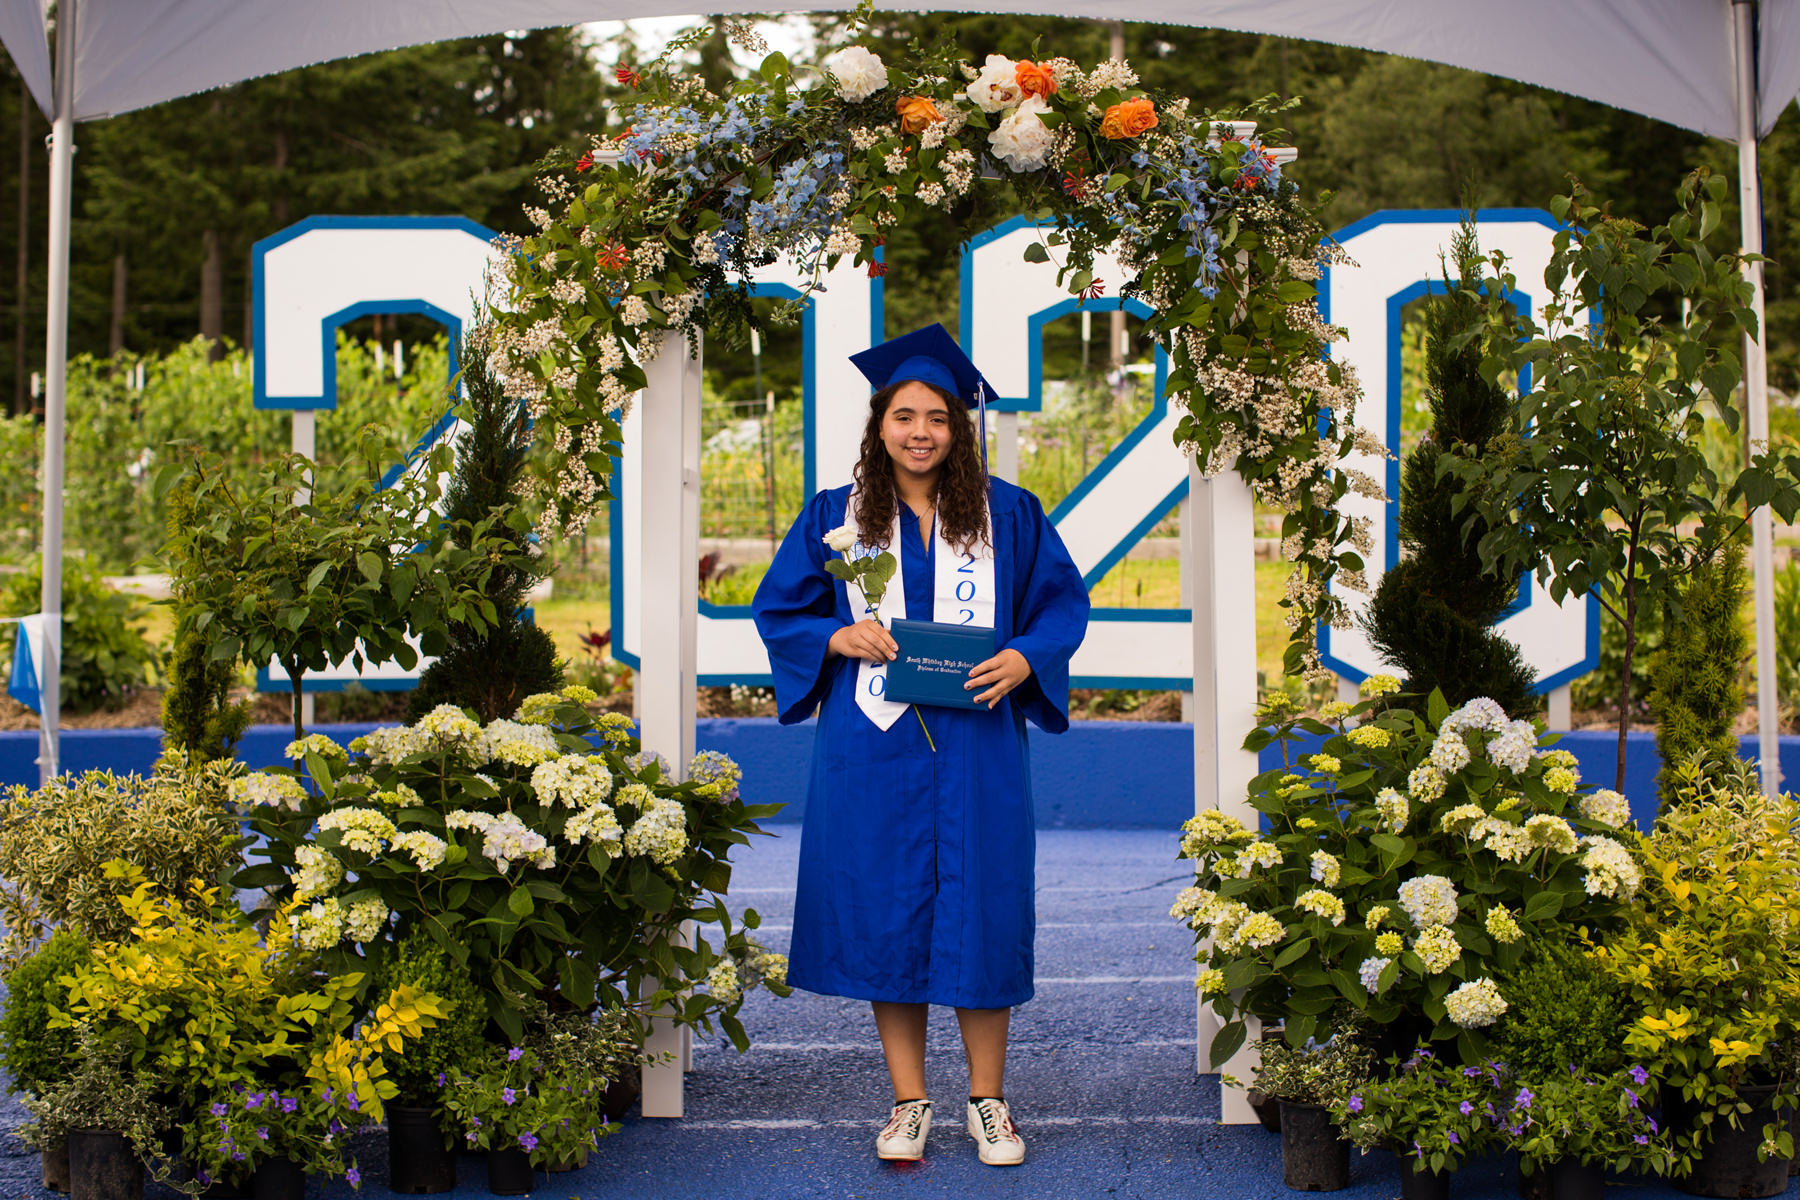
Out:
{"x": 241, "y": 1025}
{"x": 175, "y": 826}
{"x": 1711, "y": 953}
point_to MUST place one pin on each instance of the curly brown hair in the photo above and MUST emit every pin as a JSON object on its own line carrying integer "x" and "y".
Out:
{"x": 961, "y": 486}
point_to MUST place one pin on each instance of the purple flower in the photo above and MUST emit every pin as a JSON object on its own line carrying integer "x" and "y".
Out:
{"x": 1631, "y": 1097}
{"x": 290, "y": 1104}
{"x": 1465, "y": 1108}
{"x": 1523, "y": 1099}
{"x": 263, "y": 1133}
{"x": 350, "y": 1099}
{"x": 353, "y": 1177}
{"x": 1355, "y": 1104}
{"x": 1652, "y": 1121}
{"x": 218, "y": 1109}
{"x": 253, "y": 1101}
{"x": 1471, "y": 1072}
{"x": 528, "y": 1141}
{"x": 1641, "y": 1140}
{"x": 1640, "y": 1076}
{"x": 203, "y": 1177}
{"x": 475, "y": 1121}
{"x": 1454, "y": 1140}
{"x": 441, "y": 1080}
{"x": 515, "y": 1054}
{"x": 237, "y": 1156}
{"x": 509, "y": 1096}
{"x": 471, "y": 1137}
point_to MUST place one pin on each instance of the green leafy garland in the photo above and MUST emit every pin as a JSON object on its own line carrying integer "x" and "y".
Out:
{"x": 660, "y": 229}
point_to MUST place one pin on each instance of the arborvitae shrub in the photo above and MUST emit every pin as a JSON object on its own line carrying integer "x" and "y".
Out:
{"x": 1697, "y": 690}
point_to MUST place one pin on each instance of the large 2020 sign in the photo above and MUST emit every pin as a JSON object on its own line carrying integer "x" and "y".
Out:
{"x": 315, "y": 276}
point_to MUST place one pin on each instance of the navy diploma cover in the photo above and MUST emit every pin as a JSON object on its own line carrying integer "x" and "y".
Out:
{"x": 934, "y": 663}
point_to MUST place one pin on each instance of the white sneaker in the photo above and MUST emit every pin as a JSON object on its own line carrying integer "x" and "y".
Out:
{"x": 903, "y": 1138}
{"x": 990, "y": 1124}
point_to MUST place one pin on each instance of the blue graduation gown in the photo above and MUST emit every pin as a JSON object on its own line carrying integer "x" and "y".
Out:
{"x": 916, "y": 868}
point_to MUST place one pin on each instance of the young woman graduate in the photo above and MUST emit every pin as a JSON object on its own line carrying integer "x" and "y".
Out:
{"x": 916, "y": 856}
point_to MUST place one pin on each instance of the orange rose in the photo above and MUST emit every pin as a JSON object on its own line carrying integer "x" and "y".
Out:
{"x": 1128, "y": 119}
{"x": 1033, "y": 80}
{"x": 916, "y": 113}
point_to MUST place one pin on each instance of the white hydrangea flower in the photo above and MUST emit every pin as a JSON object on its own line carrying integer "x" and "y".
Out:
{"x": 1022, "y": 140}
{"x": 1377, "y": 915}
{"x": 1378, "y": 685}
{"x": 274, "y": 791}
{"x": 1325, "y": 868}
{"x": 573, "y": 781}
{"x": 506, "y": 840}
{"x": 1429, "y": 900}
{"x": 1562, "y": 779}
{"x": 715, "y": 775}
{"x": 316, "y": 872}
{"x": 1323, "y": 904}
{"x": 319, "y": 926}
{"x": 1476, "y": 1004}
{"x": 1426, "y": 784}
{"x": 361, "y": 829}
{"x": 1462, "y": 818}
{"x": 1209, "y": 981}
{"x": 1606, "y": 807}
{"x": 1209, "y": 829}
{"x": 393, "y": 746}
{"x": 722, "y": 982}
{"x": 1514, "y": 748}
{"x": 615, "y": 729}
{"x": 1438, "y": 949}
{"x": 1191, "y": 901}
{"x": 1502, "y": 839}
{"x": 1479, "y": 713}
{"x": 1370, "y": 973}
{"x": 1502, "y": 927}
{"x": 1611, "y": 871}
{"x": 365, "y": 920}
{"x": 1370, "y": 737}
{"x": 1257, "y": 931}
{"x": 1550, "y": 831}
{"x": 997, "y": 86}
{"x": 1393, "y": 808}
{"x": 858, "y": 73}
{"x": 314, "y": 743}
{"x": 427, "y": 850}
{"x": 399, "y": 796}
{"x": 1257, "y": 854}
{"x": 1449, "y": 753}
{"x": 595, "y": 823}
{"x": 515, "y": 744}
{"x": 1558, "y": 758}
{"x": 449, "y": 725}
{"x": 539, "y": 709}
{"x": 1389, "y": 943}
{"x": 660, "y": 832}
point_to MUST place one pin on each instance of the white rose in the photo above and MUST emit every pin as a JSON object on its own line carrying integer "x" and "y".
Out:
{"x": 997, "y": 86}
{"x": 859, "y": 73}
{"x": 1022, "y": 139}
{"x": 841, "y": 538}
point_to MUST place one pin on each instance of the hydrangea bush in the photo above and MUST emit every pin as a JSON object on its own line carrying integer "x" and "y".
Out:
{"x": 544, "y": 852}
{"x": 659, "y": 229}
{"x": 1397, "y": 870}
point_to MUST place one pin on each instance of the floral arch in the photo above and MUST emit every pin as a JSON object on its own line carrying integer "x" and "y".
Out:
{"x": 657, "y": 231}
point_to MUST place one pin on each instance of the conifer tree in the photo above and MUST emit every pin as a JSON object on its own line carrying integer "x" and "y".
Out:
{"x": 491, "y": 672}
{"x": 1433, "y": 613}
{"x": 1696, "y": 692}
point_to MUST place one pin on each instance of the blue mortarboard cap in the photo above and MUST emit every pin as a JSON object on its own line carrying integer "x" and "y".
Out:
{"x": 928, "y": 355}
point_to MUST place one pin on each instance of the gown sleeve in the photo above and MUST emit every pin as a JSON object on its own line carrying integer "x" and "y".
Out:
{"x": 1050, "y": 614}
{"x": 796, "y": 613}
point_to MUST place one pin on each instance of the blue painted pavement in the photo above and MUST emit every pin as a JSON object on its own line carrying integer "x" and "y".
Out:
{"x": 1101, "y": 1077}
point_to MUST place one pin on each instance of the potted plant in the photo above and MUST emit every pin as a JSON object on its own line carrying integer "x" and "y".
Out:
{"x": 421, "y": 1155}
{"x": 1580, "y": 1125}
{"x": 1711, "y": 958}
{"x": 105, "y": 1110}
{"x": 35, "y": 1056}
{"x": 1400, "y": 868}
{"x": 1307, "y": 1080}
{"x": 1432, "y": 1115}
{"x": 506, "y": 1107}
{"x": 583, "y": 1055}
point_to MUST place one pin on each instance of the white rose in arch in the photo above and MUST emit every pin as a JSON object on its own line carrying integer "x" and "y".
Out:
{"x": 1023, "y": 140}
{"x": 997, "y": 86}
{"x": 841, "y": 538}
{"x": 859, "y": 73}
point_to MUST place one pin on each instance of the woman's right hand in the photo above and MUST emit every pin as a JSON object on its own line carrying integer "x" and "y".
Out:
{"x": 865, "y": 640}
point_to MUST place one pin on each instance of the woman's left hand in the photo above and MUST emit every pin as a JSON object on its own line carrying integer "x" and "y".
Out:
{"x": 999, "y": 675}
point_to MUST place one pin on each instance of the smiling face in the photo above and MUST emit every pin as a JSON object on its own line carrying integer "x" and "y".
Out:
{"x": 916, "y": 431}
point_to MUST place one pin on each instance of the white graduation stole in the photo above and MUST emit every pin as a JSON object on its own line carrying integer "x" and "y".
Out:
{"x": 962, "y": 594}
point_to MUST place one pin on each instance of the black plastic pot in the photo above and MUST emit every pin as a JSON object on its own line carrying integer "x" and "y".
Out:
{"x": 1313, "y": 1157}
{"x": 578, "y": 1161}
{"x": 231, "y": 1188}
{"x": 1571, "y": 1179}
{"x": 1534, "y": 1185}
{"x": 418, "y": 1161}
{"x": 103, "y": 1166}
{"x": 1267, "y": 1110}
{"x": 54, "y": 1167}
{"x": 278, "y": 1179}
{"x": 509, "y": 1172}
{"x": 1727, "y": 1166}
{"x": 1416, "y": 1183}
{"x": 621, "y": 1094}
{"x": 1794, "y": 1132}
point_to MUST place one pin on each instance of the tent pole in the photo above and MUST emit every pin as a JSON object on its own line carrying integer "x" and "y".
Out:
{"x": 1756, "y": 394}
{"x": 56, "y": 357}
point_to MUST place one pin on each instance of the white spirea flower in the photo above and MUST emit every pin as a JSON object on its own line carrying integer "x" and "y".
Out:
{"x": 1322, "y": 903}
{"x": 1606, "y": 807}
{"x": 1325, "y": 868}
{"x": 1476, "y": 1004}
{"x": 1611, "y": 870}
{"x": 365, "y": 920}
{"x": 858, "y": 72}
{"x": 361, "y": 829}
{"x": 634, "y": 311}
{"x": 573, "y": 781}
{"x": 1393, "y": 808}
{"x": 1022, "y": 140}
{"x": 1429, "y": 900}
{"x": 316, "y": 872}
{"x": 273, "y": 791}
{"x": 319, "y": 926}
{"x": 427, "y": 850}
{"x": 1438, "y": 949}
{"x": 1370, "y": 973}
{"x": 841, "y": 539}
{"x": 722, "y": 982}
{"x": 660, "y": 832}
{"x": 314, "y": 743}
{"x": 997, "y": 86}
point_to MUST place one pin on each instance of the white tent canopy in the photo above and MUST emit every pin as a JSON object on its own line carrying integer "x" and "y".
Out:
{"x": 1669, "y": 59}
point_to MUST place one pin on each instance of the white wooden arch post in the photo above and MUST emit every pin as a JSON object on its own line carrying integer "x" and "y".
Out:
{"x": 1222, "y": 574}
{"x": 667, "y": 546}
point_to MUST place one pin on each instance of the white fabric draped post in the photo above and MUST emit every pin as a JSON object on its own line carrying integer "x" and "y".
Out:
{"x": 56, "y": 362}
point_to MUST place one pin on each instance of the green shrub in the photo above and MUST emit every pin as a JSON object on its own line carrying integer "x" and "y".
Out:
{"x": 1697, "y": 693}
{"x": 177, "y": 826}
{"x": 198, "y": 717}
{"x": 35, "y": 1055}
{"x": 104, "y": 655}
{"x": 456, "y": 1041}
{"x": 1561, "y": 1011}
